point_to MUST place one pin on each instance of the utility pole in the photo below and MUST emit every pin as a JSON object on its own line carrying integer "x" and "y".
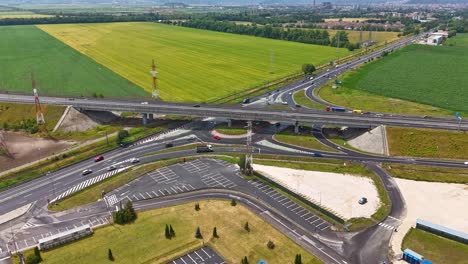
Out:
{"x": 154, "y": 74}
{"x": 248, "y": 154}
{"x": 39, "y": 115}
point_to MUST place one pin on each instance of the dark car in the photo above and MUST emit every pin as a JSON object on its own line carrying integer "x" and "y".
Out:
{"x": 169, "y": 145}
{"x": 86, "y": 172}
{"x": 362, "y": 200}
{"x": 318, "y": 154}
{"x": 196, "y": 106}
{"x": 246, "y": 101}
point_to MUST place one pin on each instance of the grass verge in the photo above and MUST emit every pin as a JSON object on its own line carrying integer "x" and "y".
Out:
{"x": 304, "y": 139}
{"x": 428, "y": 173}
{"x": 428, "y": 143}
{"x": 435, "y": 248}
{"x": 224, "y": 129}
{"x": 144, "y": 241}
{"x": 13, "y": 114}
{"x": 301, "y": 98}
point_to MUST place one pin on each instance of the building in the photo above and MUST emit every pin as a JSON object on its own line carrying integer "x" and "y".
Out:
{"x": 414, "y": 258}
{"x": 442, "y": 231}
{"x": 434, "y": 40}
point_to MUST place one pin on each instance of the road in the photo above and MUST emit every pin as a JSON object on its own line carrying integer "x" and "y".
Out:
{"x": 236, "y": 112}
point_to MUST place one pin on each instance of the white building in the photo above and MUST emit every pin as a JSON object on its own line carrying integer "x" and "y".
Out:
{"x": 435, "y": 40}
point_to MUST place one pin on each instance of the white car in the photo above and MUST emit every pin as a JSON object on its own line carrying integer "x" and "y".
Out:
{"x": 311, "y": 78}
{"x": 284, "y": 103}
{"x": 144, "y": 103}
{"x": 466, "y": 162}
{"x": 134, "y": 160}
{"x": 111, "y": 168}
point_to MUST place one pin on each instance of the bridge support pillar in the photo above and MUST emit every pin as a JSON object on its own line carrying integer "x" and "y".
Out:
{"x": 296, "y": 128}
{"x": 229, "y": 122}
{"x": 150, "y": 117}
{"x": 144, "y": 118}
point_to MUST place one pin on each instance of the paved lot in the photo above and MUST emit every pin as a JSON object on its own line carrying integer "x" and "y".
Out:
{"x": 300, "y": 212}
{"x": 210, "y": 173}
{"x": 204, "y": 255}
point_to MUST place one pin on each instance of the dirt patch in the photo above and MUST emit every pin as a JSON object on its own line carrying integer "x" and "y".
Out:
{"x": 440, "y": 203}
{"x": 373, "y": 141}
{"x": 331, "y": 190}
{"x": 25, "y": 149}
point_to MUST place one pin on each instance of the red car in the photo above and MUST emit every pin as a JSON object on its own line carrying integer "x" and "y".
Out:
{"x": 98, "y": 158}
{"x": 217, "y": 137}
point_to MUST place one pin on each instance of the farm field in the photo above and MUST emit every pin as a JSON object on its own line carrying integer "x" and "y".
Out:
{"x": 20, "y": 14}
{"x": 423, "y": 74}
{"x": 58, "y": 69}
{"x": 144, "y": 241}
{"x": 460, "y": 40}
{"x": 193, "y": 65}
{"x": 377, "y": 36}
{"x": 435, "y": 248}
{"x": 428, "y": 143}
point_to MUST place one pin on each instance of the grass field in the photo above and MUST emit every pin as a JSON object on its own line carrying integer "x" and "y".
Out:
{"x": 427, "y": 143}
{"x": 377, "y": 36}
{"x": 193, "y": 65}
{"x": 144, "y": 242}
{"x": 305, "y": 139}
{"x": 360, "y": 99}
{"x": 301, "y": 98}
{"x": 428, "y": 173}
{"x": 460, "y": 40}
{"x": 435, "y": 248}
{"x": 347, "y": 19}
{"x": 424, "y": 74}
{"x": 58, "y": 69}
{"x": 15, "y": 113}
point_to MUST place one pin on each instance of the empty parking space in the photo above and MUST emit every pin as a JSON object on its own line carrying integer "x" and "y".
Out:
{"x": 217, "y": 180}
{"x": 204, "y": 255}
{"x": 163, "y": 175}
{"x": 317, "y": 223}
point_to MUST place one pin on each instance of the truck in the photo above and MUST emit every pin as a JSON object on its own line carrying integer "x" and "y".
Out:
{"x": 357, "y": 111}
{"x": 204, "y": 148}
{"x": 338, "y": 109}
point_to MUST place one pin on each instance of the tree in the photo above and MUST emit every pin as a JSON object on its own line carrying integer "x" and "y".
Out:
{"x": 246, "y": 227}
{"x": 198, "y": 233}
{"x": 215, "y": 233}
{"x": 270, "y": 244}
{"x": 233, "y": 202}
{"x": 171, "y": 231}
{"x": 131, "y": 210}
{"x": 245, "y": 260}
{"x": 298, "y": 259}
{"x": 121, "y": 135}
{"x": 340, "y": 39}
{"x": 308, "y": 69}
{"x": 109, "y": 255}
{"x": 167, "y": 232}
{"x": 37, "y": 253}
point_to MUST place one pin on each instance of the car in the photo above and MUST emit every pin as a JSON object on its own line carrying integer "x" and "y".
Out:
{"x": 98, "y": 158}
{"x": 217, "y": 137}
{"x": 134, "y": 160}
{"x": 328, "y": 70}
{"x": 311, "y": 78}
{"x": 111, "y": 168}
{"x": 318, "y": 154}
{"x": 466, "y": 162}
{"x": 284, "y": 103}
{"x": 196, "y": 106}
{"x": 169, "y": 145}
{"x": 246, "y": 101}
{"x": 298, "y": 106}
{"x": 71, "y": 99}
{"x": 86, "y": 172}
{"x": 144, "y": 103}
{"x": 362, "y": 200}
{"x": 290, "y": 93}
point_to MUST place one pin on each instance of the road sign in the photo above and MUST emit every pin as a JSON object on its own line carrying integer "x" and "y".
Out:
{"x": 457, "y": 115}
{"x": 262, "y": 262}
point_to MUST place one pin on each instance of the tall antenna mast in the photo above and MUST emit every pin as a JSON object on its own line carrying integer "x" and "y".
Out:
{"x": 154, "y": 73}
{"x": 39, "y": 115}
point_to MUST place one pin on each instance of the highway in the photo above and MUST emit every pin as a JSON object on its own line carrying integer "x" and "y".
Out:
{"x": 235, "y": 112}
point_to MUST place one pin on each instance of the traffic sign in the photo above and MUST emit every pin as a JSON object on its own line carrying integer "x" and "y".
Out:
{"x": 262, "y": 262}
{"x": 457, "y": 115}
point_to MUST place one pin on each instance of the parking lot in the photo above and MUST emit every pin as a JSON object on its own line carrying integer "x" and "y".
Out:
{"x": 317, "y": 223}
{"x": 211, "y": 173}
{"x": 204, "y": 255}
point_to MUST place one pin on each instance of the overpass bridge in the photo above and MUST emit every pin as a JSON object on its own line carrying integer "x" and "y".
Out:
{"x": 236, "y": 112}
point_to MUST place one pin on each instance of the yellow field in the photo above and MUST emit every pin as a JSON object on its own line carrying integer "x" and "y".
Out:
{"x": 347, "y": 19}
{"x": 378, "y": 36}
{"x": 22, "y": 14}
{"x": 193, "y": 65}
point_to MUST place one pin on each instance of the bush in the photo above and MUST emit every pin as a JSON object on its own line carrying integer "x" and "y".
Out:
{"x": 33, "y": 259}
{"x": 270, "y": 244}
{"x": 233, "y": 202}
{"x": 125, "y": 215}
{"x": 246, "y": 227}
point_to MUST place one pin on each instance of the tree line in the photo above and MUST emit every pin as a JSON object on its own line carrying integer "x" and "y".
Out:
{"x": 318, "y": 37}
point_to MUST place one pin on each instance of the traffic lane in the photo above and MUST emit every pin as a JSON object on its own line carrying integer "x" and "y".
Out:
{"x": 297, "y": 233}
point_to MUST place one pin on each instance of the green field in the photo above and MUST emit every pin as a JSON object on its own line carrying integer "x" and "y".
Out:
{"x": 460, "y": 40}
{"x": 354, "y": 36}
{"x": 58, "y": 69}
{"x": 428, "y": 143}
{"x": 437, "y": 249}
{"x": 193, "y": 65}
{"x": 11, "y": 114}
{"x": 424, "y": 74}
{"x": 144, "y": 242}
